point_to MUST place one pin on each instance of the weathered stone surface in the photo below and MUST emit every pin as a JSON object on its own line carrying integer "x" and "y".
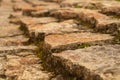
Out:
{"x": 93, "y": 63}
{"x": 74, "y": 40}
{"x": 50, "y": 28}
{"x": 23, "y": 20}
{"x": 34, "y": 73}
{"x": 28, "y": 24}
{"x": 2, "y": 65}
{"x": 26, "y": 68}
{"x": 111, "y": 8}
{"x": 82, "y": 14}
{"x": 108, "y": 26}
{"x": 16, "y": 14}
{"x": 13, "y": 41}
{"x": 15, "y": 49}
{"x": 16, "y": 1}
{"x": 92, "y": 17}
{"x": 90, "y": 4}
{"x": 71, "y": 3}
{"x": 44, "y": 7}
{"x": 19, "y": 61}
{"x": 65, "y": 13}
{"x": 43, "y": 20}
{"x": 45, "y": 10}
{"x": 21, "y": 5}
{"x": 10, "y": 30}
{"x": 40, "y": 2}
{"x": 31, "y": 10}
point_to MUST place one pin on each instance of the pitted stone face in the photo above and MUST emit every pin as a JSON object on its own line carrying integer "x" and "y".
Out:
{"x": 72, "y": 39}
{"x": 33, "y": 21}
{"x": 66, "y": 36}
{"x": 102, "y": 61}
{"x": 99, "y": 21}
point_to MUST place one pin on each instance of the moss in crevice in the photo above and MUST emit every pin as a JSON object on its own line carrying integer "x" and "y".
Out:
{"x": 115, "y": 16}
{"x": 24, "y": 29}
{"x": 77, "y": 6}
{"x": 84, "y": 45}
{"x": 117, "y": 0}
{"x": 70, "y": 47}
{"x": 87, "y": 23}
{"x": 117, "y": 38}
{"x": 39, "y": 14}
{"x": 89, "y": 6}
{"x": 56, "y": 66}
{"x": 39, "y": 50}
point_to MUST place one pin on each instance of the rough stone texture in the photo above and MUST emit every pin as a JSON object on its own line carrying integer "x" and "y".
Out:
{"x": 12, "y": 31}
{"x": 20, "y": 6}
{"x": 13, "y": 41}
{"x": 90, "y": 4}
{"x": 48, "y": 26}
{"x": 45, "y": 10}
{"x": 25, "y": 68}
{"x": 40, "y": 2}
{"x": 112, "y": 8}
{"x": 92, "y": 17}
{"x": 41, "y": 7}
{"x": 52, "y": 26}
{"x": 13, "y": 49}
{"x": 26, "y": 21}
{"x": 18, "y": 61}
{"x": 55, "y": 27}
{"x": 33, "y": 21}
{"x": 94, "y": 63}
{"x": 74, "y": 40}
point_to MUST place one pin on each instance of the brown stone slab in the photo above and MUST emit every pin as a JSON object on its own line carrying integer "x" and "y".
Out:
{"x": 15, "y": 49}
{"x": 75, "y": 40}
{"x": 32, "y": 20}
{"x": 10, "y": 30}
{"x": 91, "y": 17}
{"x": 51, "y": 28}
{"x": 25, "y": 68}
{"x": 13, "y": 41}
{"x": 93, "y": 63}
{"x": 54, "y": 28}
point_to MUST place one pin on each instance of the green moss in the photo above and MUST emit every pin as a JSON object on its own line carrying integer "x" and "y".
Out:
{"x": 115, "y": 16}
{"x": 91, "y": 6}
{"x": 117, "y": 38}
{"x": 78, "y": 6}
{"x": 117, "y": 0}
{"x": 39, "y": 50}
{"x": 84, "y": 45}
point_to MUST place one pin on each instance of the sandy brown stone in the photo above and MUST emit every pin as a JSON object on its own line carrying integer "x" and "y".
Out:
{"x": 91, "y": 17}
{"x": 55, "y": 26}
{"x": 97, "y": 62}
{"x": 10, "y": 30}
{"x": 15, "y": 49}
{"x": 110, "y": 8}
{"x": 51, "y": 28}
{"x": 13, "y": 41}
{"x": 74, "y": 40}
{"x": 25, "y": 68}
{"x": 33, "y": 21}
{"x": 45, "y": 10}
{"x": 20, "y": 6}
{"x": 2, "y": 65}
